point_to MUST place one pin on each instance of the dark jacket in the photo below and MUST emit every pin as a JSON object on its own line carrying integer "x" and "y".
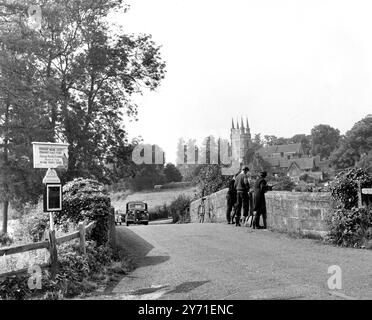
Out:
{"x": 241, "y": 183}
{"x": 260, "y": 188}
{"x": 231, "y": 194}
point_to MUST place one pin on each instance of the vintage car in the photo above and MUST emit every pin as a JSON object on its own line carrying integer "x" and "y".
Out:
{"x": 137, "y": 213}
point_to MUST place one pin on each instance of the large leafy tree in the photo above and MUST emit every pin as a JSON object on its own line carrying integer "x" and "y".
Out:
{"x": 324, "y": 140}
{"x": 355, "y": 145}
{"x": 172, "y": 174}
{"x": 23, "y": 119}
{"x": 77, "y": 75}
{"x": 305, "y": 141}
{"x": 209, "y": 179}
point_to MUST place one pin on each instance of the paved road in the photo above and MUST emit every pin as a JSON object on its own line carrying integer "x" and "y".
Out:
{"x": 217, "y": 261}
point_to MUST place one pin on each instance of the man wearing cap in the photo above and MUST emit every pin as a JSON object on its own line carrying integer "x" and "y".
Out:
{"x": 242, "y": 189}
{"x": 260, "y": 189}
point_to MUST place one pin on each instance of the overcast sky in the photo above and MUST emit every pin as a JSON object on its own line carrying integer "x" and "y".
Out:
{"x": 288, "y": 65}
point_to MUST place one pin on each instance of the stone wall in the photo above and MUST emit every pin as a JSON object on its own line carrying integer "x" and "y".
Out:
{"x": 215, "y": 208}
{"x": 299, "y": 212}
{"x": 293, "y": 212}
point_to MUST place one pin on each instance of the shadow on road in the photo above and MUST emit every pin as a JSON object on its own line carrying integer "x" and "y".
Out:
{"x": 187, "y": 287}
{"x": 151, "y": 261}
{"x": 137, "y": 249}
{"x": 162, "y": 221}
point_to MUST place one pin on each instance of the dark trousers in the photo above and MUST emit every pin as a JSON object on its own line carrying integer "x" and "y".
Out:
{"x": 242, "y": 202}
{"x": 261, "y": 212}
{"x": 230, "y": 206}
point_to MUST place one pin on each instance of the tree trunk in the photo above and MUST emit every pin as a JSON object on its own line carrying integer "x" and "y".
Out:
{"x": 5, "y": 217}
{"x": 5, "y": 186}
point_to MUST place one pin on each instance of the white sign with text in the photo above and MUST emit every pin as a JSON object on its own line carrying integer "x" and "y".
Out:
{"x": 50, "y": 155}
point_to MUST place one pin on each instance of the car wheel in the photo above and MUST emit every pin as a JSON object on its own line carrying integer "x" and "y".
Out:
{"x": 127, "y": 224}
{"x": 146, "y": 223}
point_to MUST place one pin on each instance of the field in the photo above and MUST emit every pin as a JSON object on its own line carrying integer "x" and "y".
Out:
{"x": 152, "y": 198}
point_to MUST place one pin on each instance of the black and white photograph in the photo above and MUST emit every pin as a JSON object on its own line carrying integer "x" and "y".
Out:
{"x": 185, "y": 155}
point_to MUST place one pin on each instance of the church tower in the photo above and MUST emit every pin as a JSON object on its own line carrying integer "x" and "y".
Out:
{"x": 241, "y": 140}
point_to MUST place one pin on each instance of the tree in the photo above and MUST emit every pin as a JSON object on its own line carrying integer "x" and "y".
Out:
{"x": 365, "y": 163}
{"x": 90, "y": 72}
{"x": 22, "y": 120}
{"x": 325, "y": 140}
{"x": 270, "y": 140}
{"x": 356, "y": 143}
{"x": 171, "y": 173}
{"x": 305, "y": 141}
{"x": 257, "y": 139}
{"x": 209, "y": 179}
{"x": 147, "y": 176}
{"x": 72, "y": 80}
{"x": 281, "y": 141}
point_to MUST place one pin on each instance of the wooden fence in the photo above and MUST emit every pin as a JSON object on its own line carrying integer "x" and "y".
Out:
{"x": 51, "y": 245}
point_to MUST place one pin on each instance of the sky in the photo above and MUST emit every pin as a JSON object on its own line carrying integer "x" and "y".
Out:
{"x": 287, "y": 65}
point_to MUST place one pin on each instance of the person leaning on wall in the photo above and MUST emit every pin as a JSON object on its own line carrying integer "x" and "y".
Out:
{"x": 231, "y": 200}
{"x": 260, "y": 188}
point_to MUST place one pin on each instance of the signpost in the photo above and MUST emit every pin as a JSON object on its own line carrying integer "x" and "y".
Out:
{"x": 51, "y": 156}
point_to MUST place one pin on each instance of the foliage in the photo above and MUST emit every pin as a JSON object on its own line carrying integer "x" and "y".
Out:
{"x": 283, "y": 183}
{"x": 33, "y": 225}
{"x": 179, "y": 207}
{"x": 86, "y": 199}
{"x": 344, "y": 188}
{"x": 72, "y": 80}
{"x": 5, "y": 240}
{"x": 350, "y": 227}
{"x": 209, "y": 179}
{"x": 14, "y": 288}
{"x": 354, "y": 145}
{"x": 324, "y": 140}
{"x": 304, "y": 140}
{"x": 365, "y": 163}
{"x": 77, "y": 274}
{"x": 172, "y": 174}
{"x": 21, "y": 122}
{"x": 160, "y": 212}
{"x": 147, "y": 176}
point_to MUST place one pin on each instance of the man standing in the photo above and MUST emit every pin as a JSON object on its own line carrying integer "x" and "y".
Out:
{"x": 201, "y": 210}
{"x": 260, "y": 189}
{"x": 242, "y": 189}
{"x": 231, "y": 200}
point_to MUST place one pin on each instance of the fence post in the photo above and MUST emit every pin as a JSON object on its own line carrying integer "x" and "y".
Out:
{"x": 83, "y": 249}
{"x": 360, "y": 200}
{"x": 53, "y": 252}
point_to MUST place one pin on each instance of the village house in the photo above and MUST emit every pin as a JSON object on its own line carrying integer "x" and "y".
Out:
{"x": 291, "y": 160}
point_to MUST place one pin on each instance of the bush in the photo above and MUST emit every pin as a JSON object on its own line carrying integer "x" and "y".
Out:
{"x": 344, "y": 188}
{"x": 350, "y": 227}
{"x": 14, "y": 288}
{"x": 283, "y": 183}
{"x": 5, "y": 240}
{"x": 86, "y": 199}
{"x": 209, "y": 179}
{"x": 32, "y": 226}
{"x": 161, "y": 212}
{"x": 181, "y": 206}
{"x": 76, "y": 275}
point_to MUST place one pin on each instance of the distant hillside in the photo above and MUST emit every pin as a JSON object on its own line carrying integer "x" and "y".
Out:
{"x": 152, "y": 198}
